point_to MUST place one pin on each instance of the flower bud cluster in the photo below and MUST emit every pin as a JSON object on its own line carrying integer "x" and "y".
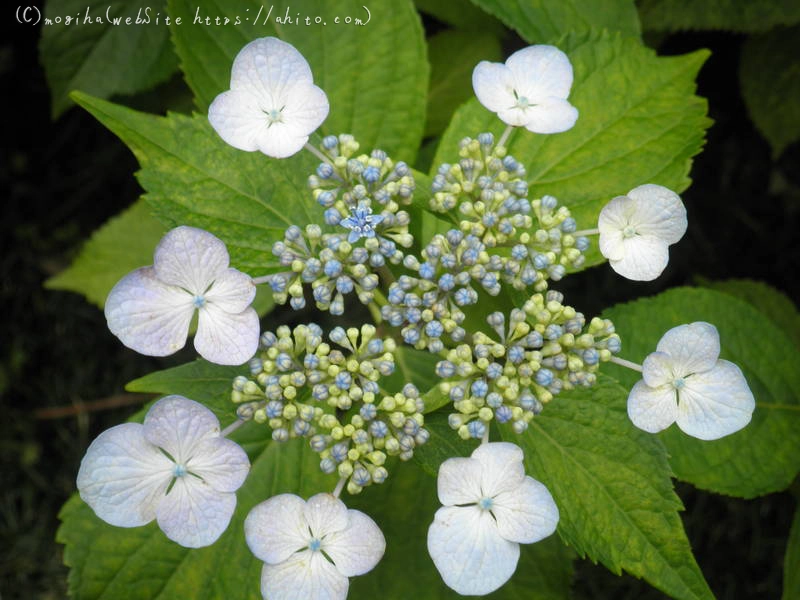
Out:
{"x": 302, "y": 386}
{"x": 357, "y": 447}
{"x": 429, "y": 305}
{"x": 364, "y": 194}
{"x": 331, "y": 264}
{"x": 546, "y": 347}
{"x": 488, "y": 189}
{"x": 547, "y": 252}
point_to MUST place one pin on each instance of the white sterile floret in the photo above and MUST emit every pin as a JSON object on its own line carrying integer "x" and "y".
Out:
{"x": 490, "y": 508}
{"x": 310, "y": 548}
{"x": 530, "y": 90}
{"x": 636, "y": 230}
{"x": 273, "y": 104}
{"x": 150, "y": 309}
{"x": 685, "y": 382}
{"x": 174, "y": 468}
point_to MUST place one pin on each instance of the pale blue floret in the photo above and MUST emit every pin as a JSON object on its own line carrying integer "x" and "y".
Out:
{"x": 582, "y": 243}
{"x": 314, "y": 545}
{"x": 614, "y": 345}
{"x": 179, "y": 470}
{"x": 297, "y": 303}
{"x": 329, "y": 142}
{"x": 327, "y": 465}
{"x": 434, "y": 329}
{"x": 274, "y": 409}
{"x": 333, "y": 268}
{"x": 445, "y": 369}
{"x": 343, "y": 381}
{"x": 494, "y": 400}
{"x": 678, "y": 383}
{"x": 503, "y": 414}
{"x": 361, "y": 223}
{"x": 344, "y": 285}
{"x": 371, "y": 174}
{"x": 516, "y": 354}
{"x": 199, "y": 301}
{"x": 494, "y": 370}
{"x": 318, "y": 443}
{"x": 361, "y": 476}
{"x": 479, "y": 388}
{"x": 339, "y": 452}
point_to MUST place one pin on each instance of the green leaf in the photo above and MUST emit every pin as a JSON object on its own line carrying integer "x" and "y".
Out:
{"x": 404, "y": 507}
{"x": 454, "y": 55}
{"x": 612, "y": 485}
{"x": 791, "y": 576}
{"x": 733, "y": 15}
{"x": 375, "y": 75}
{"x": 444, "y": 443}
{"x": 540, "y": 21}
{"x": 101, "y": 58}
{"x": 774, "y": 304}
{"x": 121, "y": 245}
{"x": 193, "y": 178}
{"x": 199, "y": 380}
{"x": 770, "y": 76}
{"x": 640, "y": 122}
{"x": 461, "y": 14}
{"x": 412, "y": 366}
{"x": 762, "y": 457}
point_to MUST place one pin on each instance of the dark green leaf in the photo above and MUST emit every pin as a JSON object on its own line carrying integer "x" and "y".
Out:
{"x": 541, "y": 21}
{"x": 770, "y": 76}
{"x": 735, "y": 15}
{"x": 101, "y": 58}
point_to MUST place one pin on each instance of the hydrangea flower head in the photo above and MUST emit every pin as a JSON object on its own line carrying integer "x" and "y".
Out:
{"x": 530, "y": 90}
{"x": 174, "y": 468}
{"x": 490, "y": 508}
{"x": 310, "y": 549}
{"x": 636, "y": 230}
{"x": 273, "y": 104}
{"x": 685, "y": 382}
{"x": 150, "y": 309}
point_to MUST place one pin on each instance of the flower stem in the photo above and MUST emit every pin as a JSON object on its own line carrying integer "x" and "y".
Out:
{"x": 262, "y": 279}
{"x": 317, "y": 153}
{"x": 506, "y": 134}
{"x": 626, "y": 363}
{"x": 485, "y": 437}
{"x": 232, "y": 427}
{"x": 586, "y": 232}
{"x": 337, "y": 491}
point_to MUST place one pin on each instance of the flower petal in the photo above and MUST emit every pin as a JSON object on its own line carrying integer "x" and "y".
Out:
{"x": 657, "y": 369}
{"x": 652, "y": 409}
{"x": 502, "y": 467}
{"x": 613, "y": 219}
{"x": 147, "y": 315}
{"x": 468, "y": 551}
{"x": 659, "y": 212}
{"x": 267, "y": 68}
{"x": 232, "y": 291}
{"x": 224, "y": 338}
{"x": 494, "y": 85}
{"x": 221, "y": 463}
{"x": 358, "y": 547}
{"x": 526, "y": 514}
{"x": 123, "y": 477}
{"x": 277, "y": 528}
{"x": 715, "y": 403}
{"x": 303, "y": 575}
{"x": 325, "y": 514}
{"x": 179, "y": 426}
{"x": 553, "y": 116}
{"x": 541, "y": 71}
{"x": 193, "y": 514}
{"x": 306, "y": 108}
{"x": 190, "y": 258}
{"x": 238, "y": 119}
{"x": 459, "y": 481}
{"x": 692, "y": 348}
{"x": 645, "y": 258}
{"x": 281, "y": 140}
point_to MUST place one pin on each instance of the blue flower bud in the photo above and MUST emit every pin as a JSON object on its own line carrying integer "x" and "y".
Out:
{"x": 479, "y": 388}
{"x": 445, "y": 369}
{"x": 476, "y": 429}
{"x": 434, "y": 329}
{"x": 494, "y": 400}
{"x": 503, "y": 414}
{"x": 329, "y": 142}
{"x": 485, "y": 139}
{"x": 327, "y": 465}
{"x": 582, "y": 243}
{"x": 368, "y": 412}
{"x": 371, "y": 174}
{"x": 378, "y": 429}
{"x": 280, "y": 435}
{"x": 544, "y": 377}
{"x": 339, "y": 451}
{"x": 318, "y": 443}
{"x": 324, "y": 170}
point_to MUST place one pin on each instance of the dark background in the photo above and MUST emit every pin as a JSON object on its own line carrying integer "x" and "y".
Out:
{"x": 61, "y": 180}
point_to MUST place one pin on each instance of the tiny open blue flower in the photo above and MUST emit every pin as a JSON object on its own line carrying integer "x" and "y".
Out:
{"x": 361, "y": 223}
